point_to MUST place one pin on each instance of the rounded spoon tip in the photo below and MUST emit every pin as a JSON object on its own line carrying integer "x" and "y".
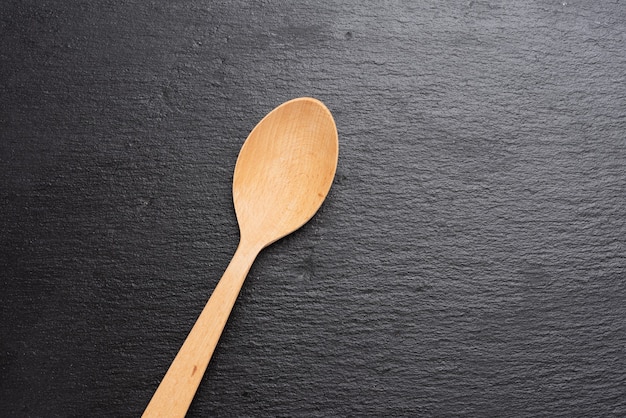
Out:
{"x": 285, "y": 170}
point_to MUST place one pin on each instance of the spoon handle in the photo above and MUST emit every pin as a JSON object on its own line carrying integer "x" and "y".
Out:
{"x": 177, "y": 389}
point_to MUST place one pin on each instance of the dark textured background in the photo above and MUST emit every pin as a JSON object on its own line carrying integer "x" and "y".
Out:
{"x": 470, "y": 259}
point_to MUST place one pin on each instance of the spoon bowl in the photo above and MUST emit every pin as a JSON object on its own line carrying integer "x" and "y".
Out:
{"x": 284, "y": 170}
{"x": 283, "y": 174}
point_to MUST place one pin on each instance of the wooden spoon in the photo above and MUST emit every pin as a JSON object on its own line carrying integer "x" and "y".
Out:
{"x": 283, "y": 174}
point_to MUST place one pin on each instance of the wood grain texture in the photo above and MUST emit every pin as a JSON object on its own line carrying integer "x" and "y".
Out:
{"x": 283, "y": 174}
{"x": 178, "y": 387}
{"x": 468, "y": 261}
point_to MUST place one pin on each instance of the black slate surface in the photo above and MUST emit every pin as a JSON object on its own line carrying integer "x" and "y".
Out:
{"x": 470, "y": 259}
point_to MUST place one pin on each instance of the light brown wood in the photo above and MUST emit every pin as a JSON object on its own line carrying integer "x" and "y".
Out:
{"x": 283, "y": 174}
